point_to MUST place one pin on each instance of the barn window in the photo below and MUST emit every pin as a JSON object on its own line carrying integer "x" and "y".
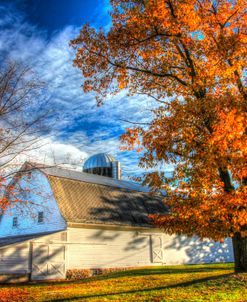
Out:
{"x": 29, "y": 175}
{"x": 15, "y": 222}
{"x": 40, "y": 217}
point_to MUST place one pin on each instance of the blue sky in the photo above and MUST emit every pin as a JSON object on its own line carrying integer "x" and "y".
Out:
{"x": 54, "y": 15}
{"x": 38, "y": 32}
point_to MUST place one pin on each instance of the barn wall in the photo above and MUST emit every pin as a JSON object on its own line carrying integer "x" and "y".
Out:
{"x": 185, "y": 250}
{"x": 17, "y": 258}
{"x": 91, "y": 248}
{"x": 100, "y": 248}
{"x": 14, "y": 259}
{"x": 107, "y": 248}
{"x": 37, "y": 192}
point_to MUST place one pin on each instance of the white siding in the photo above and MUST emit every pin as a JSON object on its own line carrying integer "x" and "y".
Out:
{"x": 17, "y": 258}
{"x": 14, "y": 259}
{"x": 52, "y": 238}
{"x": 99, "y": 248}
{"x": 184, "y": 250}
{"x": 108, "y": 248}
{"x": 39, "y": 198}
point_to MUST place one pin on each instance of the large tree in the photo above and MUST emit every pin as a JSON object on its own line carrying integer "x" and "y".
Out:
{"x": 190, "y": 56}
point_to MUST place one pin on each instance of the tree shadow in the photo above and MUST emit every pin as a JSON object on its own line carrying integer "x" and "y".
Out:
{"x": 137, "y": 273}
{"x": 13, "y": 260}
{"x": 124, "y": 207}
{"x": 199, "y": 251}
{"x": 22, "y": 256}
{"x": 140, "y": 291}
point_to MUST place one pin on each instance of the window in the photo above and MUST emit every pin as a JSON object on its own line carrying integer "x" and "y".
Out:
{"x": 15, "y": 222}
{"x": 40, "y": 217}
{"x": 29, "y": 175}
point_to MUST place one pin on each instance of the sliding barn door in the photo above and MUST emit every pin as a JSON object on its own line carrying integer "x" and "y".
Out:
{"x": 48, "y": 261}
{"x": 157, "y": 249}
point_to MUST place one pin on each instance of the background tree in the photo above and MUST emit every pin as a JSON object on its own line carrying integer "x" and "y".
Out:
{"x": 190, "y": 56}
{"x": 22, "y": 114}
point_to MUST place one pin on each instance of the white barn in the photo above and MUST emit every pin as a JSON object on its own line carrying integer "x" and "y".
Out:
{"x": 79, "y": 220}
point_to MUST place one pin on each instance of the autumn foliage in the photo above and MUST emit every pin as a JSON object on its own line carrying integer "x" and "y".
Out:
{"x": 190, "y": 56}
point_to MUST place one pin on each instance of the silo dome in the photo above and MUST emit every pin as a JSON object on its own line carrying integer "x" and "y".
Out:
{"x": 102, "y": 164}
{"x": 100, "y": 160}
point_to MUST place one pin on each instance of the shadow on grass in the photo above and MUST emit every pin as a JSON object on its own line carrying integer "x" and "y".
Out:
{"x": 140, "y": 291}
{"x": 155, "y": 271}
{"x": 166, "y": 270}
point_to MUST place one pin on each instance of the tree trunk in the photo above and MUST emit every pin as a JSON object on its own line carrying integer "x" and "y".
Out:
{"x": 240, "y": 252}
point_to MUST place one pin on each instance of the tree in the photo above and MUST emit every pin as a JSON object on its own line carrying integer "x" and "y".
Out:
{"x": 190, "y": 56}
{"x": 22, "y": 114}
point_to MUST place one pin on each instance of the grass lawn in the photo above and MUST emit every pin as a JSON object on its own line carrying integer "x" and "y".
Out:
{"x": 175, "y": 283}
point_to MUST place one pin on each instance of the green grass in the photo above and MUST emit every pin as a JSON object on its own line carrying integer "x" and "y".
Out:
{"x": 175, "y": 283}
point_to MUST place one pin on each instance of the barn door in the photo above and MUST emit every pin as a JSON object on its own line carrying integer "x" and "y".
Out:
{"x": 157, "y": 250}
{"x": 48, "y": 261}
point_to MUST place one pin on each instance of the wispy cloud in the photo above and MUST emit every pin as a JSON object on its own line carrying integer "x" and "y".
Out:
{"x": 77, "y": 126}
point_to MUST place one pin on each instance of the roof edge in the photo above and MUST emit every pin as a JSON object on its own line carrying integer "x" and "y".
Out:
{"x": 120, "y": 227}
{"x": 85, "y": 177}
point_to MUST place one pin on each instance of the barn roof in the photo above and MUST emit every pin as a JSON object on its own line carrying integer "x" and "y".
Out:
{"x": 93, "y": 199}
{"x": 92, "y": 178}
{"x": 9, "y": 240}
{"x": 82, "y": 202}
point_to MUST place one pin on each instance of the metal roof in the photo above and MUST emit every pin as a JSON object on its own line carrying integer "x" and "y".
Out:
{"x": 100, "y": 160}
{"x": 86, "y": 177}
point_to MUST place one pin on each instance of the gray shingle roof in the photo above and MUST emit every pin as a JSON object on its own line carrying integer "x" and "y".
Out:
{"x": 88, "y": 198}
{"x": 82, "y": 202}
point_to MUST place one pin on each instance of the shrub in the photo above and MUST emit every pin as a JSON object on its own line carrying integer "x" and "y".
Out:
{"x": 78, "y": 274}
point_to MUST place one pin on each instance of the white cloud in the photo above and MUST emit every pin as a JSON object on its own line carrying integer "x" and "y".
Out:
{"x": 77, "y": 126}
{"x": 55, "y": 152}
